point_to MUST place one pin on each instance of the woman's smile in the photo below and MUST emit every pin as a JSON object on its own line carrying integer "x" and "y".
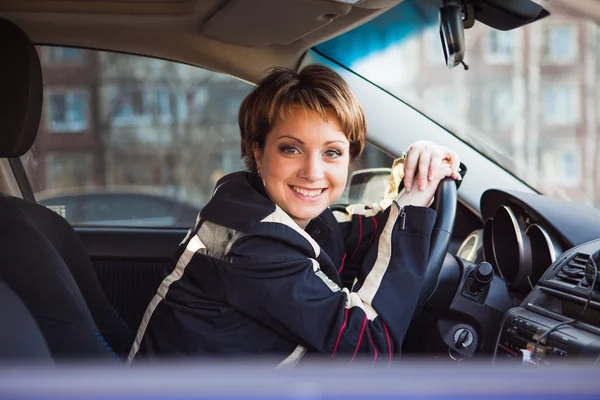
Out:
{"x": 308, "y": 194}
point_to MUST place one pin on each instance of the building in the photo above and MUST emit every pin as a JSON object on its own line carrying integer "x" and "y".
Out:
{"x": 115, "y": 121}
{"x": 66, "y": 152}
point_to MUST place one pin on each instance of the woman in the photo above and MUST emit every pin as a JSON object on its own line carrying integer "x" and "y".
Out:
{"x": 262, "y": 271}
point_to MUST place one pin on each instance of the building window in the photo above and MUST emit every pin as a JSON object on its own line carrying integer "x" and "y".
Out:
{"x": 501, "y": 107}
{"x": 63, "y": 55}
{"x": 163, "y": 105}
{"x": 561, "y": 105}
{"x": 499, "y": 47}
{"x": 560, "y": 44}
{"x": 562, "y": 166}
{"x": 570, "y": 164}
{"x": 67, "y": 111}
{"x": 129, "y": 106}
{"x": 66, "y": 170}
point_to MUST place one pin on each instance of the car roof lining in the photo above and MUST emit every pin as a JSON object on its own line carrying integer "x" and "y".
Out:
{"x": 206, "y": 33}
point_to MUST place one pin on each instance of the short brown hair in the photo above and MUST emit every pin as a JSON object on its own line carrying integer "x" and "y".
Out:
{"x": 316, "y": 88}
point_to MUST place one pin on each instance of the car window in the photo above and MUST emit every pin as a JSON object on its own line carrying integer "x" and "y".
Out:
{"x": 128, "y": 140}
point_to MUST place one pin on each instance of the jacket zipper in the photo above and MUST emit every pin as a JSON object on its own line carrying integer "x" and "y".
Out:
{"x": 402, "y": 215}
{"x": 402, "y": 218}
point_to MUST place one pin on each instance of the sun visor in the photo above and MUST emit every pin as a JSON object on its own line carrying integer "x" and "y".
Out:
{"x": 261, "y": 23}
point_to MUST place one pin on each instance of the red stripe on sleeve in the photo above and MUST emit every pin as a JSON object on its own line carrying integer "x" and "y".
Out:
{"x": 362, "y": 331}
{"x": 360, "y": 235}
{"x": 375, "y": 231}
{"x": 342, "y": 266}
{"x": 337, "y": 342}
{"x": 387, "y": 335}
{"x": 373, "y": 345}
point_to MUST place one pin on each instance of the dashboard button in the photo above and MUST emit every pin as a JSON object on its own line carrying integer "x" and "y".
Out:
{"x": 561, "y": 338}
{"x": 559, "y": 352}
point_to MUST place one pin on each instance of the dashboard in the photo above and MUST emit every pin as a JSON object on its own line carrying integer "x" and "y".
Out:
{"x": 540, "y": 306}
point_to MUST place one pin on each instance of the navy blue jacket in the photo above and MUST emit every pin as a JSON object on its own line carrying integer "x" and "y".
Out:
{"x": 248, "y": 280}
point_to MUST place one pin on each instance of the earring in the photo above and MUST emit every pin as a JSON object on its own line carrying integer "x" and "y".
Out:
{"x": 260, "y": 176}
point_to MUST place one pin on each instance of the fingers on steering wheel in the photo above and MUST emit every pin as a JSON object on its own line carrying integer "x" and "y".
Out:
{"x": 436, "y": 160}
{"x": 454, "y": 159}
{"x": 410, "y": 168}
{"x": 445, "y": 171}
{"x": 425, "y": 159}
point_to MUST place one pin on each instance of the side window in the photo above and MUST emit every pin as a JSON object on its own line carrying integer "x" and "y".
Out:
{"x": 132, "y": 141}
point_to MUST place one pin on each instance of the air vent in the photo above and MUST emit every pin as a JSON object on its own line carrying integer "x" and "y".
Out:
{"x": 574, "y": 270}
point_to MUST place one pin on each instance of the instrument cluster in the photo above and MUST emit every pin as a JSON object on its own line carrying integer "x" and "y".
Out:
{"x": 519, "y": 247}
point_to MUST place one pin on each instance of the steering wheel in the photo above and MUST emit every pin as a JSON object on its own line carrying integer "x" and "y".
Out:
{"x": 446, "y": 200}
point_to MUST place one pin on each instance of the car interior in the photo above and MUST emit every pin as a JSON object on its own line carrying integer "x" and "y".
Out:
{"x": 514, "y": 279}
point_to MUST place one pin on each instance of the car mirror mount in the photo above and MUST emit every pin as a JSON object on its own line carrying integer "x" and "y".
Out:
{"x": 457, "y": 15}
{"x": 454, "y": 17}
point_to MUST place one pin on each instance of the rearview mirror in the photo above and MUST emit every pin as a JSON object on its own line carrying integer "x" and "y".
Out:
{"x": 452, "y": 30}
{"x": 457, "y": 15}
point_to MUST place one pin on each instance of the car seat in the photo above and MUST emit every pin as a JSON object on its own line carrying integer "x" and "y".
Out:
{"x": 43, "y": 259}
{"x": 20, "y": 338}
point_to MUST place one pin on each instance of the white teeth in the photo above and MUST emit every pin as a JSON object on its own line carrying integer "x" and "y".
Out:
{"x": 308, "y": 193}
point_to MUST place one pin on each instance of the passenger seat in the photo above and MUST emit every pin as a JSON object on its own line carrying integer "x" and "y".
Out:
{"x": 20, "y": 338}
{"x": 41, "y": 257}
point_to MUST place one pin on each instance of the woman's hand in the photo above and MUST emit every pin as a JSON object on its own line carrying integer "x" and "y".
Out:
{"x": 425, "y": 197}
{"x": 423, "y": 160}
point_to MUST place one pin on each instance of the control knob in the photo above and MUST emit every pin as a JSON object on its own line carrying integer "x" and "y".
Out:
{"x": 482, "y": 275}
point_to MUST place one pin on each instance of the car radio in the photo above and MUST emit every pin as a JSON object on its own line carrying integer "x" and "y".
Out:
{"x": 522, "y": 328}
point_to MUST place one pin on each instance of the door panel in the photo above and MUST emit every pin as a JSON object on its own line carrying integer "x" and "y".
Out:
{"x": 131, "y": 243}
{"x": 130, "y": 264}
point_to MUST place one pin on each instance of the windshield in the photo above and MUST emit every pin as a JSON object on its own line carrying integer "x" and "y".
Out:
{"x": 530, "y": 100}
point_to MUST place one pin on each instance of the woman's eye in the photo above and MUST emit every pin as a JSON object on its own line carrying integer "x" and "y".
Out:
{"x": 332, "y": 154}
{"x": 290, "y": 150}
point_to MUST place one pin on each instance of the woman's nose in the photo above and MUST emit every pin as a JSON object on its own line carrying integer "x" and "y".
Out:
{"x": 312, "y": 170}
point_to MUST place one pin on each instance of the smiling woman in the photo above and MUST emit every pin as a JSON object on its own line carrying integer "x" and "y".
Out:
{"x": 313, "y": 128}
{"x": 268, "y": 268}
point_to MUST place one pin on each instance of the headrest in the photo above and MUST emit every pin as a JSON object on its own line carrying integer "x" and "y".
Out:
{"x": 21, "y": 91}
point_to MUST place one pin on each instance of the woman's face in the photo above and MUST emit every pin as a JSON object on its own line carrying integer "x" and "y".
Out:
{"x": 304, "y": 164}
